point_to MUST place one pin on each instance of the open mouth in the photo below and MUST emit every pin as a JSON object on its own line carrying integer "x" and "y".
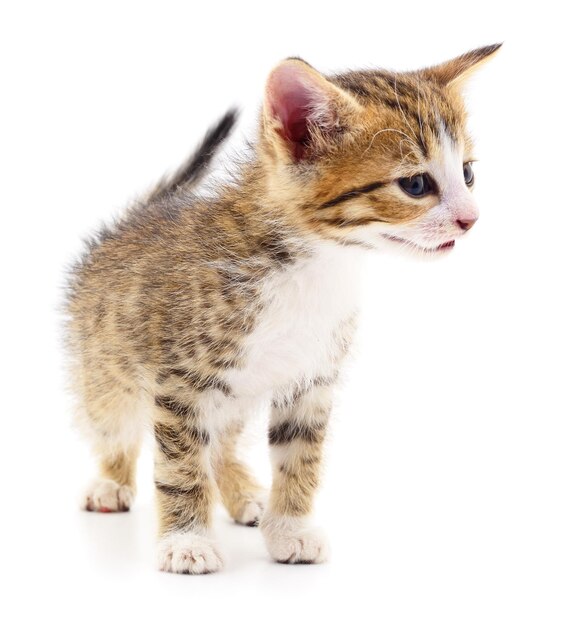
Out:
{"x": 443, "y": 247}
{"x": 446, "y": 246}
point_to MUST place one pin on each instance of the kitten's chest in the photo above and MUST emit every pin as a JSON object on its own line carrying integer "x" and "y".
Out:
{"x": 302, "y": 324}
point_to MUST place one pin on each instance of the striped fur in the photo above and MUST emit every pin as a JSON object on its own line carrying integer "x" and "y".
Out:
{"x": 191, "y": 312}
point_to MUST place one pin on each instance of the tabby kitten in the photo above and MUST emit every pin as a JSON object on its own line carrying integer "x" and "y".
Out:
{"x": 190, "y": 312}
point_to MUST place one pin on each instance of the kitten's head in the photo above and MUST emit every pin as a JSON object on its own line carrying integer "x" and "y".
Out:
{"x": 374, "y": 158}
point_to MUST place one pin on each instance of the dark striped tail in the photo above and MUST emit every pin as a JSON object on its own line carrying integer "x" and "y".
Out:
{"x": 194, "y": 167}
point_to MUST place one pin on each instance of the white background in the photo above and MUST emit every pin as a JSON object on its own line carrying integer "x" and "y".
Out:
{"x": 447, "y": 483}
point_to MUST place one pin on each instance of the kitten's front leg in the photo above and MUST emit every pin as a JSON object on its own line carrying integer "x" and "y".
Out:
{"x": 296, "y": 437}
{"x": 185, "y": 489}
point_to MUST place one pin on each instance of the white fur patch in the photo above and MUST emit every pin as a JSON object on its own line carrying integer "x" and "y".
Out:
{"x": 303, "y": 308}
{"x": 188, "y": 553}
{"x": 106, "y": 496}
{"x": 251, "y": 513}
{"x": 292, "y": 540}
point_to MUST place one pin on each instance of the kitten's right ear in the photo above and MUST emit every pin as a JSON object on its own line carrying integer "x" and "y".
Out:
{"x": 455, "y": 72}
{"x": 302, "y": 109}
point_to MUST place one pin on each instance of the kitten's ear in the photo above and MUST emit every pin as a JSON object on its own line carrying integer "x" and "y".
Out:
{"x": 302, "y": 109}
{"x": 456, "y": 71}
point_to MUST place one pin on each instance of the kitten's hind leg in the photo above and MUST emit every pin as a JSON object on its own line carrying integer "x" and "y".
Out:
{"x": 242, "y": 496}
{"x": 115, "y": 489}
{"x": 114, "y": 426}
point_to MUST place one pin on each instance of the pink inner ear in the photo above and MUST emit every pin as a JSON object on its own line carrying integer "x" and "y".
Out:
{"x": 293, "y": 101}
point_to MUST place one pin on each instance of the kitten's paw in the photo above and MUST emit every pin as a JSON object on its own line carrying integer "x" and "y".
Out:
{"x": 107, "y": 496}
{"x": 188, "y": 553}
{"x": 251, "y": 512}
{"x": 289, "y": 541}
{"x": 307, "y": 546}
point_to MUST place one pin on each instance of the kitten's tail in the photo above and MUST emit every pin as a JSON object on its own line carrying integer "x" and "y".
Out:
{"x": 195, "y": 166}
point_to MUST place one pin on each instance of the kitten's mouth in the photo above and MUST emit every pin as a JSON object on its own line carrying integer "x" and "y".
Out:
{"x": 443, "y": 247}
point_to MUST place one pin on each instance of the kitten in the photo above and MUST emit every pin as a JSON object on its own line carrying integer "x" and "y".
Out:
{"x": 190, "y": 312}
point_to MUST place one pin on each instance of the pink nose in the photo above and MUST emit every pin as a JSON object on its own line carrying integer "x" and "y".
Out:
{"x": 466, "y": 224}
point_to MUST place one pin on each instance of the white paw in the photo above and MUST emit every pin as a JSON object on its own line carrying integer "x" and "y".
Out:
{"x": 188, "y": 553}
{"x": 107, "y": 496}
{"x": 290, "y": 541}
{"x": 251, "y": 512}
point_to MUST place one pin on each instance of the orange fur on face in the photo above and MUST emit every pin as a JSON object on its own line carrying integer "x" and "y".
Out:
{"x": 385, "y": 126}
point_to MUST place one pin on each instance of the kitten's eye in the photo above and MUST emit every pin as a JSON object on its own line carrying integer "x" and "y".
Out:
{"x": 417, "y": 186}
{"x": 468, "y": 174}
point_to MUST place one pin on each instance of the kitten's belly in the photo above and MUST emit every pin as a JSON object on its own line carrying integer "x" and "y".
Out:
{"x": 298, "y": 335}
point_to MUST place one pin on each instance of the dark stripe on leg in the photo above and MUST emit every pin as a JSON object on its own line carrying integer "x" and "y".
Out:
{"x": 193, "y": 492}
{"x": 174, "y": 406}
{"x": 289, "y": 431}
{"x": 197, "y": 381}
{"x": 177, "y": 443}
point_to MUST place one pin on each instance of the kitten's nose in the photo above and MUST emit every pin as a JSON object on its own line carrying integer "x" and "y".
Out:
{"x": 466, "y": 224}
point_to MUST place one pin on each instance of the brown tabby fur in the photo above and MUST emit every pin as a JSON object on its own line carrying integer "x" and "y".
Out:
{"x": 162, "y": 301}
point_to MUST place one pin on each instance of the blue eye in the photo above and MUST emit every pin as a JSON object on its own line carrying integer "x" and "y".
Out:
{"x": 418, "y": 185}
{"x": 468, "y": 174}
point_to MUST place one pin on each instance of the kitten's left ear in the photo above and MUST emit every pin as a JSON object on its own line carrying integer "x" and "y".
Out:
{"x": 454, "y": 72}
{"x": 303, "y": 111}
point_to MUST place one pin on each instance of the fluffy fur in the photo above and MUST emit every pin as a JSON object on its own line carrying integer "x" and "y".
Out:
{"x": 189, "y": 312}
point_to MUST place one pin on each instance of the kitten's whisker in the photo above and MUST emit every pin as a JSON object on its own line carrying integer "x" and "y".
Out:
{"x": 419, "y": 97}
{"x": 405, "y": 157}
{"x": 405, "y": 118}
{"x": 393, "y": 130}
